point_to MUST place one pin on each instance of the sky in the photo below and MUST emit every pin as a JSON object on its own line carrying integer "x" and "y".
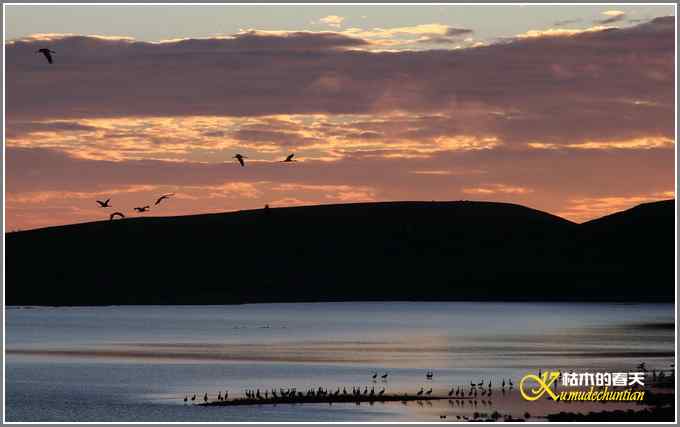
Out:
{"x": 566, "y": 109}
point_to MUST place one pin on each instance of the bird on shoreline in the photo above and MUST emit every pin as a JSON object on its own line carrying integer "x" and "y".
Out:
{"x": 115, "y": 214}
{"x": 141, "y": 209}
{"x": 240, "y": 158}
{"x": 164, "y": 197}
{"x": 47, "y": 52}
{"x": 104, "y": 204}
{"x": 289, "y": 158}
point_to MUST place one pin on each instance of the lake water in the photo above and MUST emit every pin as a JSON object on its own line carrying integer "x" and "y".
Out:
{"x": 136, "y": 363}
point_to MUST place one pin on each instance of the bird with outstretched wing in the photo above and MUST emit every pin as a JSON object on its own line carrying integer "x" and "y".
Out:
{"x": 163, "y": 197}
{"x": 47, "y": 52}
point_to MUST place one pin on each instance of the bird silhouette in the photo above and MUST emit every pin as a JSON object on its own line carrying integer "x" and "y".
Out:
{"x": 384, "y": 376}
{"x": 163, "y": 197}
{"x": 186, "y": 398}
{"x": 375, "y": 375}
{"x": 240, "y": 158}
{"x": 47, "y": 52}
{"x": 142, "y": 209}
{"x": 289, "y": 158}
{"x": 104, "y": 204}
{"x": 421, "y": 391}
{"x": 115, "y": 214}
{"x": 193, "y": 397}
{"x": 429, "y": 392}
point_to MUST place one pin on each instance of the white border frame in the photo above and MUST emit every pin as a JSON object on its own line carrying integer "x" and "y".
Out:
{"x": 4, "y": 157}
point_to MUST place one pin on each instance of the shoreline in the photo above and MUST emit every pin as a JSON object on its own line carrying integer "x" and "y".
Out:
{"x": 326, "y": 399}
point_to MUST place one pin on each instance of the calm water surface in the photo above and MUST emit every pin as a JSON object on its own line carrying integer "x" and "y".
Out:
{"x": 138, "y": 363}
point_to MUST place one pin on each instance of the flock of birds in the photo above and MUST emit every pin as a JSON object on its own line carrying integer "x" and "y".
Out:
{"x": 481, "y": 388}
{"x": 140, "y": 209}
{"x": 47, "y": 53}
{"x": 107, "y": 204}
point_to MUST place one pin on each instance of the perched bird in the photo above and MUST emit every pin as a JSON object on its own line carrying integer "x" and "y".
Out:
{"x": 163, "y": 197}
{"x": 429, "y": 392}
{"x": 421, "y": 391}
{"x": 142, "y": 209}
{"x": 375, "y": 375}
{"x": 193, "y": 397}
{"x": 104, "y": 204}
{"x": 240, "y": 158}
{"x": 186, "y": 398}
{"x": 205, "y": 397}
{"x": 115, "y": 214}
{"x": 289, "y": 158}
{"x": 384, "y": 376}
{"x": 47, "y": 52}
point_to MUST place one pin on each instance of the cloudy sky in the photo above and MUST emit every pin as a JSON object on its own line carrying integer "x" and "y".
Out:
{"x": 567, "y": 109}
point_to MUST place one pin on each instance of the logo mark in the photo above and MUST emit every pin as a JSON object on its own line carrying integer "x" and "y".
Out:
{"x": 543, "y": 384}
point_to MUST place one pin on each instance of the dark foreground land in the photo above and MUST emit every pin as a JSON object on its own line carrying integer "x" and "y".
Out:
{"x": 367, "y": 251}
{"x": 661, "y": 409}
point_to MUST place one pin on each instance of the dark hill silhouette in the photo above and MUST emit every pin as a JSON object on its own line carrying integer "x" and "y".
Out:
{"x": 365, "y": 251}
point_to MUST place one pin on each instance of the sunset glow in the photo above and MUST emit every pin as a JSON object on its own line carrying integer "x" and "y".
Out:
{"x": 574, "y": 115}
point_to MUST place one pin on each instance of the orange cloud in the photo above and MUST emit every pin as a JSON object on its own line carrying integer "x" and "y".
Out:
{"x": 497, "y": 189}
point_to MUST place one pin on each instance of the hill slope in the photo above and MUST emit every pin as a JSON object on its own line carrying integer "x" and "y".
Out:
{"x": 366, "y": 251}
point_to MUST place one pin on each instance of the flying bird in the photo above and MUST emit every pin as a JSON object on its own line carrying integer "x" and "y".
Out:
{"x": 104, "y": 204}
{"x": 289, "y": 158}
{"x": 142, "y": 209}
{"x": 240, "y": 158}
{"x": 48, "y": 54}
{"x": 115, "y": 214}
{"x": 163, "y": 197}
